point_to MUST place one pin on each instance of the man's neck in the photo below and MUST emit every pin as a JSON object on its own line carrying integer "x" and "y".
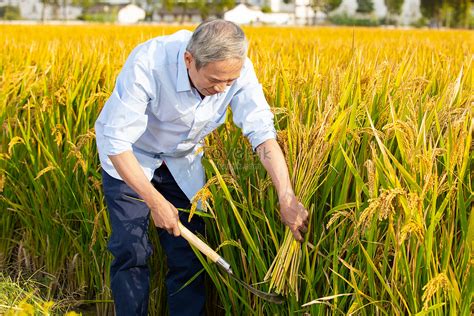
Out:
{"x": 192, "y": 85}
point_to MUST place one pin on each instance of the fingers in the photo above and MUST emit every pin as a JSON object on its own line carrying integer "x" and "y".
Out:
{"x": 297, "y": 219}
{"x": 297, "y": 234}
{"x": 304, "y": 212}
{"x": 302, "y": 223}
{"x": 176, "y": 232}
{"x": 303, "y": 229}
{"x": 167, "y": 219}
{"x": 174, "y": 229}
{"x": 300, "y": 229}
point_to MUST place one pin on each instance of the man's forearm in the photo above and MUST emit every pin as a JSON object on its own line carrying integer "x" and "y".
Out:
{"x": 129, "y": 169}
{"x": 293, "y": 213}
{"x": 164, "y": 214}
{"x": 273, "y": 160}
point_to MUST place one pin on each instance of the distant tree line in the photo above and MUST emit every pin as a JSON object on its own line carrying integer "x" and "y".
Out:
{"x": 205, "y": 8}
{"x": 436, "y": 13}
{"x": 450, "y": 13}
{"x": 181, "y": 8}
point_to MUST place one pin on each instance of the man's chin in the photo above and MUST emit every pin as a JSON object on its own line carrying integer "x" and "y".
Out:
{"x": 207, "y": 93}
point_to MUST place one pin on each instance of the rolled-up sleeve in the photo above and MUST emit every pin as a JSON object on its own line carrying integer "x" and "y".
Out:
{"x": 123, "y": 119}
{"x": 250, "y": 109}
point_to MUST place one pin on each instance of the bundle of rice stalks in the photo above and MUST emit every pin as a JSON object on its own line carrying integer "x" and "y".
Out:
{"x": 306, "y": 150}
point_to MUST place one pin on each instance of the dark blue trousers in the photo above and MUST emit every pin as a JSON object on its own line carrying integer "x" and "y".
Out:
{"x": 130, "y": 246}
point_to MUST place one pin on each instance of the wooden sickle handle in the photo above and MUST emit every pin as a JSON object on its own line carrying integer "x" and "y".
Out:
{"x": 198, "y": 243}
{"x": 203, "y": 247}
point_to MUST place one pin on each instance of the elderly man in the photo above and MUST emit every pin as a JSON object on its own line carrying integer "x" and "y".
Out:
{"x": 173, "y": 91}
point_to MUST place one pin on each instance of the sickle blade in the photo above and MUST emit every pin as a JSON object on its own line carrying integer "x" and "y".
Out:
{"x": 269, "y": 297}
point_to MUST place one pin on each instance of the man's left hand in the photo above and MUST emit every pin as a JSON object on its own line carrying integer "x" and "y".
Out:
{"x": 294, "y": 215}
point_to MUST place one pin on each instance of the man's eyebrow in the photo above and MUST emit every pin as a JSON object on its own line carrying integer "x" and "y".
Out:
{"x": 217, "y": 79}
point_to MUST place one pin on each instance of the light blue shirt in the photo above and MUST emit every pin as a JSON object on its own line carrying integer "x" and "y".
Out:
{"x": 154, "y": 111}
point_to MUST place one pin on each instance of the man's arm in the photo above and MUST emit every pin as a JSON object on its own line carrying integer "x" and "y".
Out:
{"x": 293, "y": 213}
{"x": 252, "y": 114}
{"x": 122, "y": 121}
{"x": 164, "y": 214}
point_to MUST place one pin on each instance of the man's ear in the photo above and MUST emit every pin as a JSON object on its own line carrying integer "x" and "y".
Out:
{"x": 188, "y": 59}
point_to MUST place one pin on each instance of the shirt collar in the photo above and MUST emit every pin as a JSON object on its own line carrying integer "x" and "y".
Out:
{"x": 182, "y": 83}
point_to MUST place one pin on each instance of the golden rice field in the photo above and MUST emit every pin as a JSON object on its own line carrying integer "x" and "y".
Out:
{"x": 376, "y": 126}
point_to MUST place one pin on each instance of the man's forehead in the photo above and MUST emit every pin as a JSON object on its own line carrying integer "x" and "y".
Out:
{"x": 224, "y": 69}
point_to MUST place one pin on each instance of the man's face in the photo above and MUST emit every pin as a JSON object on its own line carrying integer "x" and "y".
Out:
{"x": 215, "y": 77}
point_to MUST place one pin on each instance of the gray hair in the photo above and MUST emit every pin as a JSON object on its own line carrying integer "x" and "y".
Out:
{"x": 216, "y": 40}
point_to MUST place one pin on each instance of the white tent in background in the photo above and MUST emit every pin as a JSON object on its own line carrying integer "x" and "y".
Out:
{"x": 380, "y": 9}
{"x": 304, "y": 14}
{"x": 349, "y": 7}
{"x": 320, "y": 16}
{"x": 130, "y": 14}
{"x": 410, "y": 12}
{"x": 275, "y": 18}
{"x": 242, "y": 14}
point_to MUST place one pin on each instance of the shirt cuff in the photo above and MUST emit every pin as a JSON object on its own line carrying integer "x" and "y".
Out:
{"x": 113, "y": 146}
{"x": 260, "y": 137}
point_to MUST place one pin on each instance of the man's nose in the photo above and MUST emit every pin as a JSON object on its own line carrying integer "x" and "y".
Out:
{"x": 220, "y": 87}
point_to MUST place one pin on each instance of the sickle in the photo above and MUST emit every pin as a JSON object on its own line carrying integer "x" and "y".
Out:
{"x": 211, "y": 254}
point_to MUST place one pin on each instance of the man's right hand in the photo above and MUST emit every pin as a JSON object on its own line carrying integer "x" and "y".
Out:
{"x": 165, "y": 215}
